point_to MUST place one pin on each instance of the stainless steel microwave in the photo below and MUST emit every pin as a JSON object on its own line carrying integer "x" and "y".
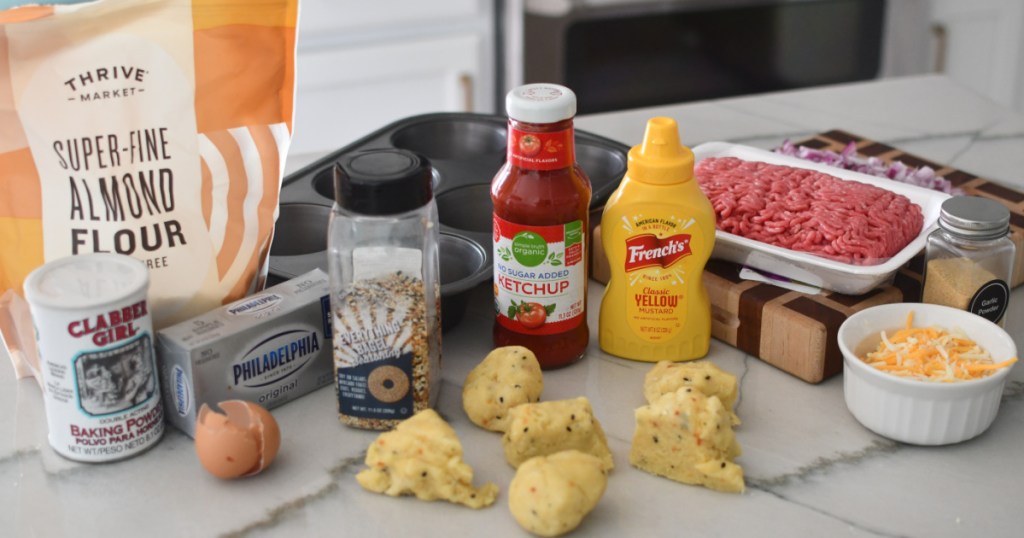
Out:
{"x": 622, "y": 54}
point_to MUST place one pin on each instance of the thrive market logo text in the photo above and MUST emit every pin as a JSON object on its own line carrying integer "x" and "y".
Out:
{"x": 104, "y": 83}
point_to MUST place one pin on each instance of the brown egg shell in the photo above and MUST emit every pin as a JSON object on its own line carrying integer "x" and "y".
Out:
{"x": 242, "y": 441}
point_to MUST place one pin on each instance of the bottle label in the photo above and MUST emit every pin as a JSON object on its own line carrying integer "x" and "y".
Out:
{"x": 540, "y": 279}
{"x": 380, "y": 335}
{"x": 656, "y": 250}
{"x": 991, "y": 300}
{"x": 647, "y": 250}
{"x": 541, "y": 151}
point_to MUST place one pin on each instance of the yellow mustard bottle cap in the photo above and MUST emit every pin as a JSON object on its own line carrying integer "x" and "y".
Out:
{"x": 660, "y": 159}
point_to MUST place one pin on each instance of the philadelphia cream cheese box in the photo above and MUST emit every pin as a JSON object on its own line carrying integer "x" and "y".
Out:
{"x": 268, "y": 348}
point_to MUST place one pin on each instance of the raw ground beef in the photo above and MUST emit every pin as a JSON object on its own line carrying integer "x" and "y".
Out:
{"x": 808, "y": 211}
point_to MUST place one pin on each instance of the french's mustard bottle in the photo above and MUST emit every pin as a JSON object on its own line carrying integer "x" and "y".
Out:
{"x": 658, "y": 230}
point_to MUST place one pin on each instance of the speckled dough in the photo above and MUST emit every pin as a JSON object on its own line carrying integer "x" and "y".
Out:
{"x": 703, "y": 375}
{"x": 550, "y": 495}
{"x": 539, "y": 429}
{"x": 422, "y": 456}
{"x": 508, "y": 376}
{"x": 687, "y": 436}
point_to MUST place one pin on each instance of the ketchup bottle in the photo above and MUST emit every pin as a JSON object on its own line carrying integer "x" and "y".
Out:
{"x": 541, "y": 203}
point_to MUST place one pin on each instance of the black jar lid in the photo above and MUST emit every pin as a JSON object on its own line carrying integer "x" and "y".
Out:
{"x": 974, "y": 217}
{"x": 382, "y": 181}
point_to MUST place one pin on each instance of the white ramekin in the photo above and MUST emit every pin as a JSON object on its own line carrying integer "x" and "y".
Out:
{"x": 914, "y": 411}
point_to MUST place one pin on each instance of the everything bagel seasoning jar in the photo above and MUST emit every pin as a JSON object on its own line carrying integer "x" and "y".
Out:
{"x": 385, "y": 287}
{"x": 969, "y": 258}
{"x": 95, "y": 338}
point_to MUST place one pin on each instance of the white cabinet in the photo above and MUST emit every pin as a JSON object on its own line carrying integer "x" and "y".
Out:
{"x": 980, "y": 43}
{"x": 362, "y": 65}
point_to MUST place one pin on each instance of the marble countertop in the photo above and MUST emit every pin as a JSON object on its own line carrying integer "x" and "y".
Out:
{"x": 811, "y": 468}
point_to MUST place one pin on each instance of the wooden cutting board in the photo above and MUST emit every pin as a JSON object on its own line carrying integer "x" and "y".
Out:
{"x": 796, "y": 332}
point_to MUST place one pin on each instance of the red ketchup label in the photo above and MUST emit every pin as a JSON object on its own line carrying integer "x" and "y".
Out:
{"x": 541, "y": 151}
{"x": 539, "y": 276}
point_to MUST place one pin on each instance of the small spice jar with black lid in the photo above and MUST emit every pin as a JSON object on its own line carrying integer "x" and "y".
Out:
{"x": 385, "y": 287}
{"x": 969, "y": 258}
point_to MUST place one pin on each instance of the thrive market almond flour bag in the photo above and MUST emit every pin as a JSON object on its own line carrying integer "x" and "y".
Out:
{"x": 152, "y": 128}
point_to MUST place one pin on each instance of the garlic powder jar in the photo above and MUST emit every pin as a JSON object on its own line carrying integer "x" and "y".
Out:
{"x": 969, "y": 258}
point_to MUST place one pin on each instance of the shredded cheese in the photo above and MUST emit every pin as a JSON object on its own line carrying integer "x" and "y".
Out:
{"x": 932, "y": 354}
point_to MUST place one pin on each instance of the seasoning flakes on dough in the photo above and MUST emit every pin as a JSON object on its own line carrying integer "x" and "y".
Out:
{"x": 687, "y": 436}
{"x": 508, "y": 376}
{"x": 539, "y": 429}
{"x": 702, "y": 375}
{"x": 551, "y": 495}
{"x": 422, "y": 456}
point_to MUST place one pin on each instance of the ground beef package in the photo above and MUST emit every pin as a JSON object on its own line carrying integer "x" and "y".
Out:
{"x": 153, "y": 128}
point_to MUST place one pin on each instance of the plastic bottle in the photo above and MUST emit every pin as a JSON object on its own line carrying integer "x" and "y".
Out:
{"x": 385, "y": 287}
{"x": 969, "y": 258}
{"x": 541, "y": 203}
{"x": 658, "y": 230}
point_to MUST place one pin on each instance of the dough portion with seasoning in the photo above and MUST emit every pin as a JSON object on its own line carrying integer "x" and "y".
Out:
{"x": 508, "y": 376}
{"x": 422, "y": 456}
{"x": 702, "y": 375}
{"x": 550, "y": 495}
{"x": 687, "y": 436}
{"x": 540, "y": 429}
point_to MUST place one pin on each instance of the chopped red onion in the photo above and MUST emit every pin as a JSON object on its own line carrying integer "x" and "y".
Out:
{"x": 848, "y": 159}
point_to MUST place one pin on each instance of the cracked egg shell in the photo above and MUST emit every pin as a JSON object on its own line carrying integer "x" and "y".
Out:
{"x": 242, "y": 441}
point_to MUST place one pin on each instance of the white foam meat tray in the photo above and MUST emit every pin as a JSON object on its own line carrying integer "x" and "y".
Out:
{"x": 809, "y": 268}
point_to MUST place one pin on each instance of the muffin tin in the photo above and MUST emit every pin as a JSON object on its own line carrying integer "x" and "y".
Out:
{"x": 465, "y": 150}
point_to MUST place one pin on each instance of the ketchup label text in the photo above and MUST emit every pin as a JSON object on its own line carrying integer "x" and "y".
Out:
{"x": 539, "y": 276}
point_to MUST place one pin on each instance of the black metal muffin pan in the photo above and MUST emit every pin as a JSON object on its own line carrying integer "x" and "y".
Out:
{"x": 465, "y": 151}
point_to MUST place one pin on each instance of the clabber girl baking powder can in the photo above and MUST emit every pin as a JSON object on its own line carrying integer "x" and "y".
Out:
{"x": 95, "y": 339}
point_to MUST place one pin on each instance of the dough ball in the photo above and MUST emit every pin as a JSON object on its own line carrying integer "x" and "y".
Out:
{"x": 702, "y": 375}
{"x": 550, "y": 495}
{"x": 422, "y": 456}
{"x": 687, "y": 437}
{"x": 539, "y": 429}
{"x": 508, "y": 376}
